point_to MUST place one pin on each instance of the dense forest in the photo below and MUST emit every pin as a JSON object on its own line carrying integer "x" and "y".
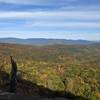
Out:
{"x": 70, "y": 68}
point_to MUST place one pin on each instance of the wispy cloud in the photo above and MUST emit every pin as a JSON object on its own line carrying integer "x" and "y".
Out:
{"x": 67, "y": 25}
{"x": 37, "y": 2}
{"x": 80, "y": 15}
{"x": 50, "y": 16}
{"x": 60, "y": 19}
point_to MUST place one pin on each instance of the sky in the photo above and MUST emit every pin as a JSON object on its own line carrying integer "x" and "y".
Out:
{"x": 60, "y": 19}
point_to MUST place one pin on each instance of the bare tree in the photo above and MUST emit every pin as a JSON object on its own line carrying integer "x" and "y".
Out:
{"x": 13, "y": 79}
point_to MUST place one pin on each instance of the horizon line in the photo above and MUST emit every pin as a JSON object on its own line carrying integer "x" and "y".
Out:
{"x": 49, "y": 38}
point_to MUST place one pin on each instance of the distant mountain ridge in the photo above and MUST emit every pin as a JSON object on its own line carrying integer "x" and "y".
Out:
{"x": 43, "y": 41}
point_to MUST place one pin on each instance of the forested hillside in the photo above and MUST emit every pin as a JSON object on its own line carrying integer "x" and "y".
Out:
{"x": 70, "y": 68}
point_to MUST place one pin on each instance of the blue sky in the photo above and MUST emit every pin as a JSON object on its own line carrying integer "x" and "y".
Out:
{"x": 68, "y": 19}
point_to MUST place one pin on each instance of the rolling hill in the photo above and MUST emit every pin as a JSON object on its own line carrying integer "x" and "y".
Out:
{"x": 41, "y": 41}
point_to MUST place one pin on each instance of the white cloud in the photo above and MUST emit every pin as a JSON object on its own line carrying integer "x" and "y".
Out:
{"x": 77, "y": 15}
{"x": 16, "y": 15}
{"x": 37, "y": 2}
{"x": 81, "y": 7}
{"x": 66, "y": 25}
{"x": 17, "y": 1}
{"x": 52, "y": 19}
